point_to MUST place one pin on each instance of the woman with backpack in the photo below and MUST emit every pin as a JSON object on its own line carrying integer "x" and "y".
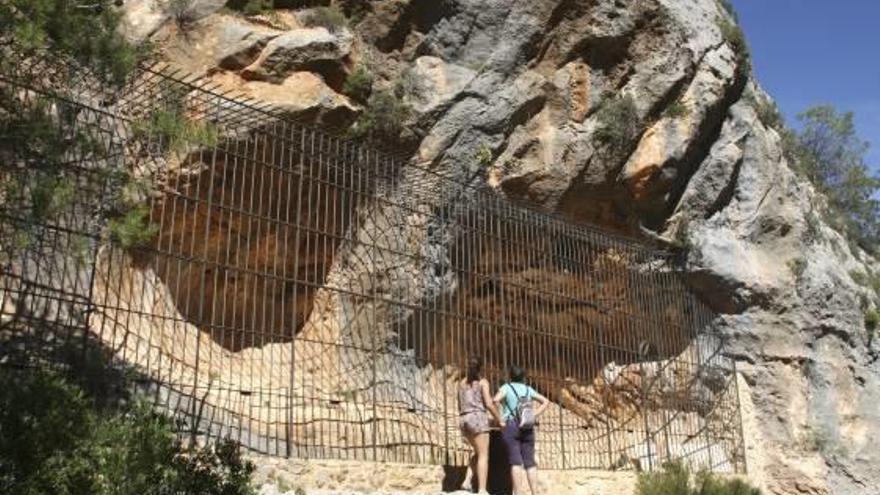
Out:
{"x": 475, "y": 404}
{"x": 518, "y": 428}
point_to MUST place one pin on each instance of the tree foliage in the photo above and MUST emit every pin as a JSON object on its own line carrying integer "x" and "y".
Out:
{"x": 55, "y": 440}
{"x": 85, "y": 31}
{"x": 830, "y": 153}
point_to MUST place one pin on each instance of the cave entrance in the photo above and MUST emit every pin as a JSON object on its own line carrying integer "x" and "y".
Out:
{"x": 247, "y": 233}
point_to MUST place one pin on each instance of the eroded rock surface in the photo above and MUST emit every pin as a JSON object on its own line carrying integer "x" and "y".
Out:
{"x": 510, "y": 94}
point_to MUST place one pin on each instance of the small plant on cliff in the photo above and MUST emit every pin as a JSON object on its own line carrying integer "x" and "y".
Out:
{"x": 729, "y": 8}
{"x": 182, "y": 12}
{"x": 733, "y": 35}
{"x": 872, "y": 321}
{"x": 767, "y": 111}
{"x": 359, "y": 84}
{"x": 484, "y": 155}
{"x": 797, "y": 267}
{"x": 330, "y": 18}
{"x": 382, "y": 119}
{"x": 250, "y": 7}
{"x": 619, "y": 125}
{"x": 132, "y": 229}
{"x": 676, "y": 110}
{"x": 677, "y": 479}
{"x": 174, "y": 131}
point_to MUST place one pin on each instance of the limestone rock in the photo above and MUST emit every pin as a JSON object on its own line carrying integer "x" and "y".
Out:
{"x": 142, "y": 18}
{"x": 509, "y": 95}
{"x": 299, "y": 49}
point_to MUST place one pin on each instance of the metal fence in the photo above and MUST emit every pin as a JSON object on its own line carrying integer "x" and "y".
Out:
{"x": 310, "y": 296}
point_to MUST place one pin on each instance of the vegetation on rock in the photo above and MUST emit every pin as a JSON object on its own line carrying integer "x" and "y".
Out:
{"x": 359, "y": 84}
{"x": 677, "y": 479}
{"x": 829, "y": 152}
{"x": 84, "y": 31}
{"x": 733, "y": 35}
{"x": 55, "y": 437}
{"x": 250, "y": 7}
{"x": 619, "y": 125}
{"x": 330, "y": 18}
{"x": 382, "y": 119}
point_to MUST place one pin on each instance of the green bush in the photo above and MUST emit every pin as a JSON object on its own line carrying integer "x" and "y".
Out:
{"x": 797, "y": 267}
{"x": 182, "y": 12}
{"x": 382, "y": 119}
{"x": 767, "y": 111}
{"x": 733, "y": 35}
{"x": 359, "y": 84}
{"x": 175, "y": 131}
{"x": 619, "y": 125}
{"x": 250, "y": 7}
{"x": 484, "y": 155}
{"x": 676, "y": 479}
{"x": 728, "y": 7}
{"x": 54, "y": 439}
{"x": 677, "y": 110}
{"x": 872, "y": 321}
{"x": 330, "y": 18}
{"x": 132, "y": 230}
{"x": 85, "y": 31}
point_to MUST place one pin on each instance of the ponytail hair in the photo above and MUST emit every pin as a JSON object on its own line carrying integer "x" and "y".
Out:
{"x": 474, "y": 368}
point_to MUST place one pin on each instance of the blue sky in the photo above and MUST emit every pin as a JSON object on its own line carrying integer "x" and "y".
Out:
{"x": 809, "y": 52}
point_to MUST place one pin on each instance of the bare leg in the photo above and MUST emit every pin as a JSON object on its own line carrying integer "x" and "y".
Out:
{"x": 481, "y": 447}
{"x": 532, "y": 474}
{"x": 516, "y": 473}
{"x": 472, "y": 464}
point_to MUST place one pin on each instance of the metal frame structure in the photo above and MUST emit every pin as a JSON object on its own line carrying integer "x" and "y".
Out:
{"x": 314, "y": 297}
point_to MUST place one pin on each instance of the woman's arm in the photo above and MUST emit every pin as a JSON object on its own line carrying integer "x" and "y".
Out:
{"x": 490, "y": 404}
{"x": 545, "y": 402}
{"x": 499, "y": 396}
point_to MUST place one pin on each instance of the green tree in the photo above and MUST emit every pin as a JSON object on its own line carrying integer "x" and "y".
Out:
{"x": 84, "y": 30}
{"x": 55, "y": 439}
{"x": 830, "y": 152}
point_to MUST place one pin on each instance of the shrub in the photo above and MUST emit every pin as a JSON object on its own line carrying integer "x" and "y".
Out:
{"x": 767, "y": 111}
{"x": 677, "y": 110}
{"x": 676, "y": 479}
{"x": 382, "y": 119}
{"x": 484, "y": 155}
{"x": 359, "y": 84}
{"x": 54, "y": 439}
{"x": 733, "y": 35}
{"x": 131, "y": 230}
{"x": 829, "y": 153}
{"x": 797, "y": 266}
{"x": 619, "y": 125}
{"x": 182, "y": 12}
{"x": 175, "y": 131}
{"x": 250, "y": 7}
{"x": 681, "y": 240}
{"x": 330, "y": 18}
{"x": 86, "y": 32}
{"x": 872, "y": 321}
{"x": 728, "y": 7}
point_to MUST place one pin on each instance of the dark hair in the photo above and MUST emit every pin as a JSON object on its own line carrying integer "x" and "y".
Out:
{"x": 517, "y": 374}
{"x": 474, "y": 367}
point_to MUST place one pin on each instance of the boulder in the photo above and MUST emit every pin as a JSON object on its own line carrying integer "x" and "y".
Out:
{"x": 315, "y": 49}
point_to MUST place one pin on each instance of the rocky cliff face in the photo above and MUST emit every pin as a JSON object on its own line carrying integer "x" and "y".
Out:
{"x": 639, "y": 116}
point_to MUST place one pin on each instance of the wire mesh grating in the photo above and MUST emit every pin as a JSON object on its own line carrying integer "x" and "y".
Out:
{"x": 311, "y": 296}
